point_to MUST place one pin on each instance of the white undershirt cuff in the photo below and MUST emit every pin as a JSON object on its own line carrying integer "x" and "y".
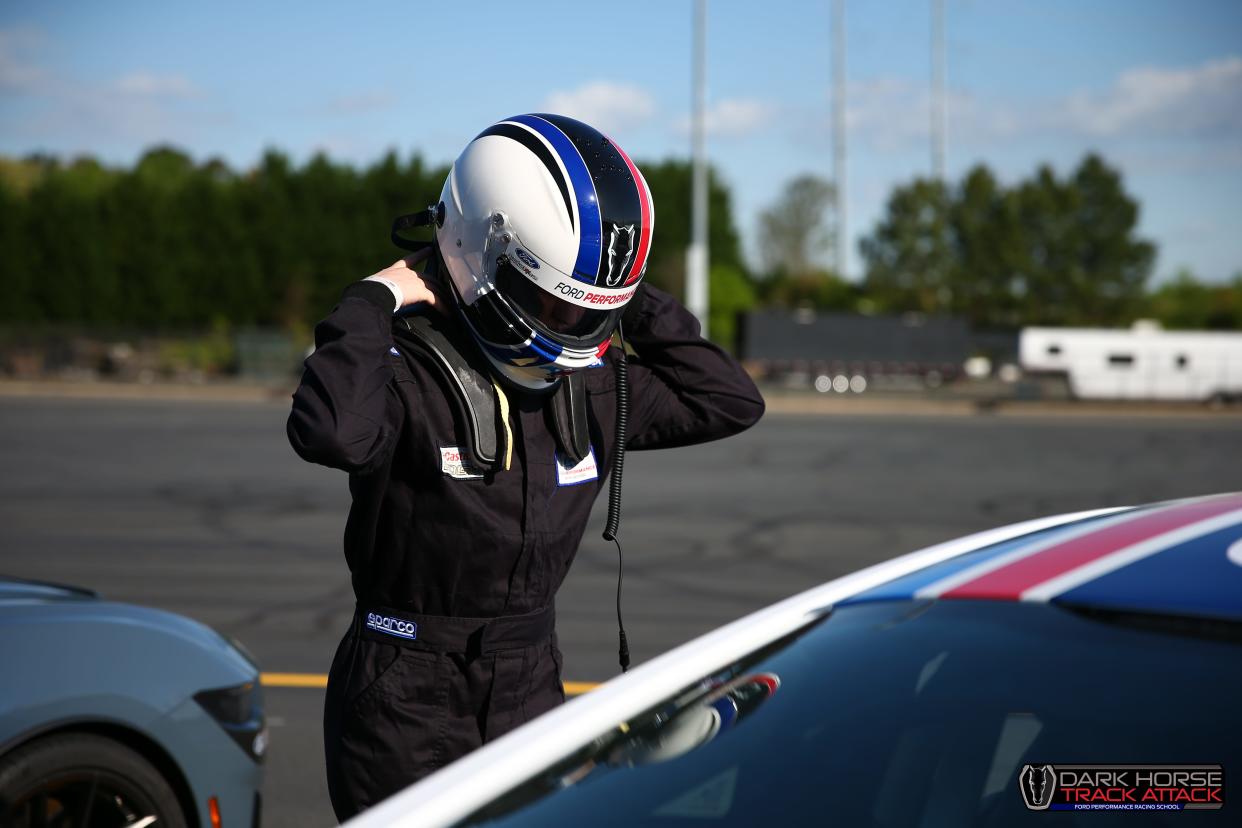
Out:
{"x": 397, "y": 294}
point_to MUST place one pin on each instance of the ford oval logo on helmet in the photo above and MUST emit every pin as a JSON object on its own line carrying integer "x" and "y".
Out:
{"x": 526, "y": 258}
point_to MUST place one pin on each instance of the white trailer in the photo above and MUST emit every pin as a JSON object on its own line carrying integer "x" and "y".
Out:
{"x": 1144, "y": 362}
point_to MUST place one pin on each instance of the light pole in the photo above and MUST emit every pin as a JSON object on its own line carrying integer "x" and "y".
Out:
{"x": 939, "y": 121}
{"x": 696, "y": 255}
{"x": 838, "y": 130}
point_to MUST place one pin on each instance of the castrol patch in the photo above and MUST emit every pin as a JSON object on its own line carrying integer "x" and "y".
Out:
{"x": 452, "y": 464}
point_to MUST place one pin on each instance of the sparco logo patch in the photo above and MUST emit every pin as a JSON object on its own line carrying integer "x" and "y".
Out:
{"x": 392, "y": 626}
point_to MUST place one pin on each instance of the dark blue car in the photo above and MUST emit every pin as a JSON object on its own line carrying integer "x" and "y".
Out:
{"x": 1080, "y": 670}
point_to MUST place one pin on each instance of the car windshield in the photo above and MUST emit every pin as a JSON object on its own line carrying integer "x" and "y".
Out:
{"x": 908, "y": 714}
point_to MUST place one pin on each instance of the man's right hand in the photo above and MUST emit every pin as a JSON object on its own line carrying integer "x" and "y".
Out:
{"x": 415, "y": 286}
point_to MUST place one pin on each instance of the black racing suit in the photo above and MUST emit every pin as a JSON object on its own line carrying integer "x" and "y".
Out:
{"x": 474, "y": 561}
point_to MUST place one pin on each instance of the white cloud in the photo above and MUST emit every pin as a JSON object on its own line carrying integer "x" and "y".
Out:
{"x": 17, "y": 72}
{"x": 607, "y": 106}
{"x": 1195, "y": 158}
{"x": 734, "y": 117}
{"x": 893, "y": 114}
{"x": 890, "y": 113}
{"x": 887, "y": 114}
{"x": 1197, "y": 99}
{"x": 359, "y": 103}
{"x": 74, "y": 114}
{"x": 148, "y": 85}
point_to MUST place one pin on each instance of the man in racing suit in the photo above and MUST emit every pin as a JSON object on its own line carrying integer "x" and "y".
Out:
{"x": 455, "y": 568}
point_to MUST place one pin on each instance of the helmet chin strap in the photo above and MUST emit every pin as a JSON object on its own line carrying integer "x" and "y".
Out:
{"x": 431, "y": 217}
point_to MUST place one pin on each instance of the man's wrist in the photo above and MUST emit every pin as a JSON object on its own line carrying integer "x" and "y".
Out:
{"x": 372, "y": 292}
{"x": 398, "y": 295}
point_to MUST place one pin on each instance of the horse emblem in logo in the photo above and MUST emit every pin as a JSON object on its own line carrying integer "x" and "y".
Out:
{"x": 1038, "y": 783}
{"x": 620, "y": 252}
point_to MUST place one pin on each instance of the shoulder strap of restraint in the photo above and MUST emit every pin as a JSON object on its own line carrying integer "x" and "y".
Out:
{"x": 479, "y": 407}
{"x": 568, "y": 409}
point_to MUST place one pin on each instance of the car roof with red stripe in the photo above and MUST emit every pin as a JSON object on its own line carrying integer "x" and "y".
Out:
{"x": 1176, "y": 558}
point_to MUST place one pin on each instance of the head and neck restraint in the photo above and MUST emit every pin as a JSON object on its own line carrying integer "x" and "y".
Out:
{"x": 478, "y": 401}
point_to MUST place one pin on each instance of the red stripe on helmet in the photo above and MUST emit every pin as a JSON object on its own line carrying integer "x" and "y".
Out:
{"x": 644, "y": 200}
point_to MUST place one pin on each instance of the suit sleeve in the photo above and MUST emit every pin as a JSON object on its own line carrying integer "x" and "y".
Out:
{"x": 683, "y": 389}
{"x": 346, "y": 413}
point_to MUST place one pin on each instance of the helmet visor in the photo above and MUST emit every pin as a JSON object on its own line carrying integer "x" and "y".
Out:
{"x": 489, "y": 317}
{"x": 556, "y": 317}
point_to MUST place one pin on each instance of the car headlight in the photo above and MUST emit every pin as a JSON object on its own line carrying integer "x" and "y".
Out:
{"x": 239, "y": 710}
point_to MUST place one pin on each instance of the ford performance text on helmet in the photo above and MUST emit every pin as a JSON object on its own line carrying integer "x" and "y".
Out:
{"x": 545, "y": 234}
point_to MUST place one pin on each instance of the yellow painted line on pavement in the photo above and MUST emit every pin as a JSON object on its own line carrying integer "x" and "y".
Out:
{"x": 320, "y": 680}
{"x": 293, "y": 679}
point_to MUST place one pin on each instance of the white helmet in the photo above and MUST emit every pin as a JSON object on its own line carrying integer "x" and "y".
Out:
{"x": 544, "y": 225}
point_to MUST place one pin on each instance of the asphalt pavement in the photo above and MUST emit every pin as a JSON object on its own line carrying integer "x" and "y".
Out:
{"x": 202, "y": 508}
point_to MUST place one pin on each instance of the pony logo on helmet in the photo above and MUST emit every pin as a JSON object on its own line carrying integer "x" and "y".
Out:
{"x": 546, "y": 233}
{"x": 615, "y": 271}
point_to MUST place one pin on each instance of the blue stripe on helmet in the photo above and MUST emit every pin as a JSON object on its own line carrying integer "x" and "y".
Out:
{"x": 591, "y": 244}
{"x": 546, "y": 347}
{"x": 508, "y": 355}
{"x": 540, "y": 348}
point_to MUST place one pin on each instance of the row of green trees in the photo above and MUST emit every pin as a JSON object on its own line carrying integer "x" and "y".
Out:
{"x": 171, "y": 244}
{"x": 1048, "y": 250}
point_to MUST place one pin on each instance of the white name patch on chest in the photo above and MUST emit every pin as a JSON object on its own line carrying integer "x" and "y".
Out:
{"x": 581, "y": 473}
{"x": 452, "y": 464}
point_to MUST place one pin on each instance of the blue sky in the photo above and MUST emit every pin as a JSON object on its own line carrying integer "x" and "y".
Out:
{"x": 1155, "y": 87}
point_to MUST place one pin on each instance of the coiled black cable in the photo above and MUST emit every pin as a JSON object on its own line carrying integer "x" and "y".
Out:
{"x": 614, "y": 492}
